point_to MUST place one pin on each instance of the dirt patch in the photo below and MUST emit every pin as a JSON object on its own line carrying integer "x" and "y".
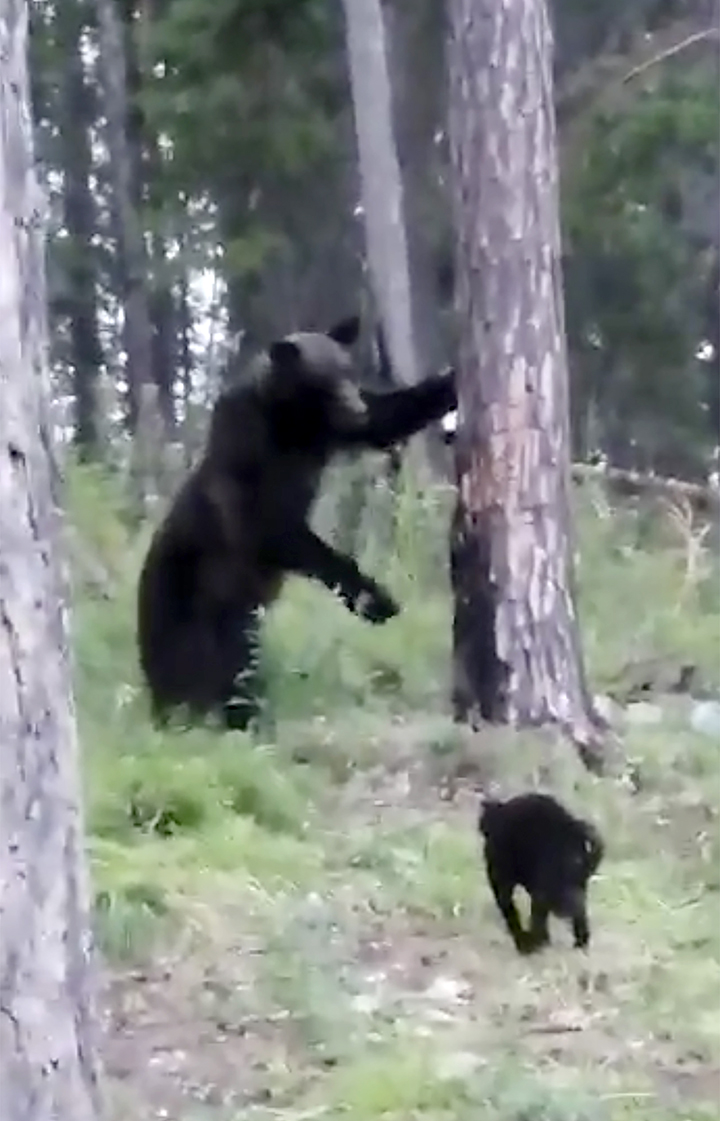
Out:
{"x": 176, "y": 1038}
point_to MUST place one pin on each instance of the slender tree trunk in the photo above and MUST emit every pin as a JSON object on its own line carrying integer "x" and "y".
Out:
{"x": 517, "y": 654}
{"x": 48, "y": 1057}
{"x": 417, "y": 65}
{"x": 382, "y": 190}
{"x": 125, "y": 167}
{"x": 165, "y": 337}
{"x": 79, "y": 213}
{"x": 147, "y": 185}
{"x": 187, "y": 364}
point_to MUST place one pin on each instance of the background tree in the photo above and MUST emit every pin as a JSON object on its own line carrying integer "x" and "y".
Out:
{"x": 48, "y": 1058}
{"x": 77, "y": 114}
{"x": 382, "y": 187}
{"x": 517, "y": 653}
{"x": 125, "y": 167}
{"x": 246, "y": 182}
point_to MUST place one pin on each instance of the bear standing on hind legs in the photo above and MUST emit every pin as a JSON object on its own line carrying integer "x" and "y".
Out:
{"x": 239, "y": 523}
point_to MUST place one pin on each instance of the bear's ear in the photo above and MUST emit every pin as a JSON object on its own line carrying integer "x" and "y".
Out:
{"x": 285, "y": 356}
{"x": 346, "y": 331}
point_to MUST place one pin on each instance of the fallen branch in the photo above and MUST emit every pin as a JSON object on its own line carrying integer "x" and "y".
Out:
{"x": 675, "y": 49}
{"x": 702, "y": 497}
{"x": 609, "y": 71}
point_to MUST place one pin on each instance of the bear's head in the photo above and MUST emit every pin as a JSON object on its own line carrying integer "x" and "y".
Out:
{"x": 311, "y": 389}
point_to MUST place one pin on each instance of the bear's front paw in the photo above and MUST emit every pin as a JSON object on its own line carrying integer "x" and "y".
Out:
{"x": 376, "y": 606}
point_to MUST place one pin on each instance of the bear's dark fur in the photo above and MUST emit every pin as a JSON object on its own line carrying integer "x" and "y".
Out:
{"x": 239, "y": 523}
{"x": 533, "y": 841}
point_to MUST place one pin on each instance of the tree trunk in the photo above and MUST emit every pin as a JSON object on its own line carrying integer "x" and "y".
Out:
{"x": 164, "y": 318}
{"x": 417, "y": 65}
{"x": 517, "y": 654}
{"x": 80, "y": 307}
{"x": 48, "y": 1057}
{"x": 147, "y": 185}
{"x": 381, "y": 181}
{"x": 125, "y": 168}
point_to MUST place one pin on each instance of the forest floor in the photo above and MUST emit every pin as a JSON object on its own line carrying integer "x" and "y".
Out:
{"x": 358, "y": 969}
{"x": 301, "y": 927}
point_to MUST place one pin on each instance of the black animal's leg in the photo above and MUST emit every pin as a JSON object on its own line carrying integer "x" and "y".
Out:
{"x": 308, "y": 555}
{"x": 240, "y": 709}
{"x": 242, "y": 690}
{"x": 396, "y": 416}
{"x": 503, "y": 893}
{"x": 539, "y": 933}
{"x": 581, "y": 930}
{"x": 159, "y": 714}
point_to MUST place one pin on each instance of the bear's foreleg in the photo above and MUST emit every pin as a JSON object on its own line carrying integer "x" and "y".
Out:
{"x": 306, "y": 554}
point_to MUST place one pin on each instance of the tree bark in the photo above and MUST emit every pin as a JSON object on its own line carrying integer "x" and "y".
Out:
{"x": 48, "y": 1057}
{"x": 517, "y": 654}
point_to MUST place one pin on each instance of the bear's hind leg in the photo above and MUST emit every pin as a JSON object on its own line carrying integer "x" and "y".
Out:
{"x": 242, "y": 690}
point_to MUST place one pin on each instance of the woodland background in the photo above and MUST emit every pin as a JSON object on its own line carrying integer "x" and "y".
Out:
{"x": 231, "y": 204}
{"x": 298, "y": 927}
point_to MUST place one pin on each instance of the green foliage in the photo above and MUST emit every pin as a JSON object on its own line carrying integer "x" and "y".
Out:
{"x": 638, "y": 199}
{"x": 245, "y": 95}
{"x": 129, "y": 921}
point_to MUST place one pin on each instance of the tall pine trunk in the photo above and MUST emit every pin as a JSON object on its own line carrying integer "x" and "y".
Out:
{"x": 517, "y": 654}
{"x": 80, "y": 307}
{"x": 125, "y": 170}
{"x": 48, "y": 1056}
{"x": 381, "y": 180}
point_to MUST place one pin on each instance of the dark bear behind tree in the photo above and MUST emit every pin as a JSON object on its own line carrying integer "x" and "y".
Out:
{"x": 239, "y": 523}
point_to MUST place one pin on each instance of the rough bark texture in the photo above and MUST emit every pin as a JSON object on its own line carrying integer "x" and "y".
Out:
{"x": 516, "y": 642}
{"x": 48, "y": 1067}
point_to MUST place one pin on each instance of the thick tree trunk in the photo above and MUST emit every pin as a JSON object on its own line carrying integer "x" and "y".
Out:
{"x": 48, "y": 1058}
{"x": 516, "y": 645}
{"x": 79, "y": 214}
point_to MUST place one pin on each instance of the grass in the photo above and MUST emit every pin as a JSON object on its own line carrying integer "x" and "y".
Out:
{"x": 300, "y": 928}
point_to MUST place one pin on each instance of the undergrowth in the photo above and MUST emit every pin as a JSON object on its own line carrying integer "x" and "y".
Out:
{"x": 310, "y": 901}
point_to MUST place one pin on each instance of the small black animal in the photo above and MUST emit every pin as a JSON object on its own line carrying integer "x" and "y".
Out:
{"x": 239, "y": 523}
{"x": 533, "y": 841}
